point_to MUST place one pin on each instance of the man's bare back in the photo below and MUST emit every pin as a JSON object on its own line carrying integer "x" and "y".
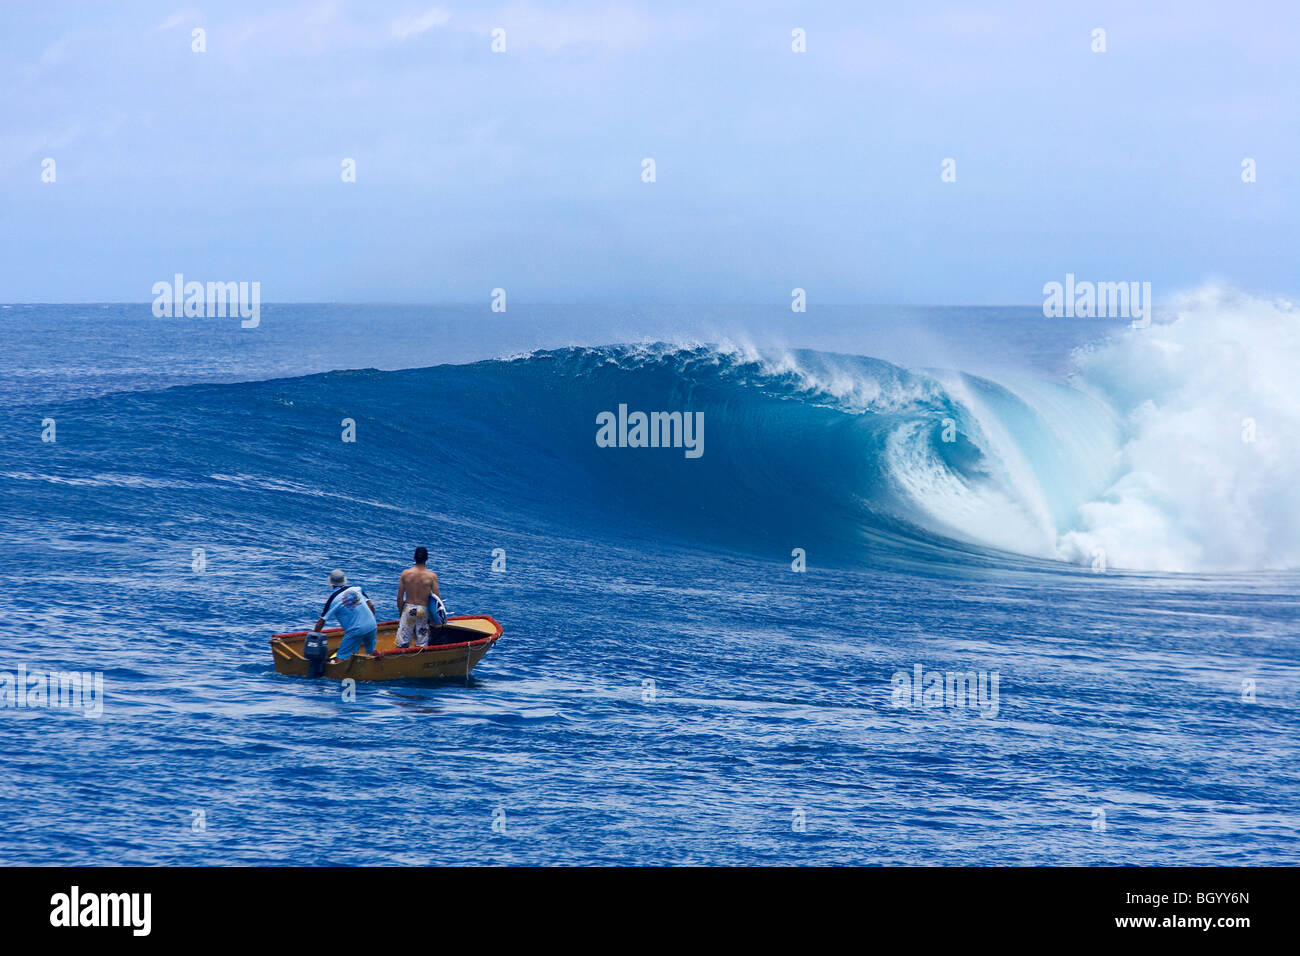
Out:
{"x": 415, "y": 585}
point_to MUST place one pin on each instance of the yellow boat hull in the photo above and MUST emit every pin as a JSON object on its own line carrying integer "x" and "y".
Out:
{"x": 465, "y": 640}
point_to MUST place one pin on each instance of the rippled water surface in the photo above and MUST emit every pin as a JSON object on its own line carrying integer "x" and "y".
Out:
{"x": 668, "y": 690}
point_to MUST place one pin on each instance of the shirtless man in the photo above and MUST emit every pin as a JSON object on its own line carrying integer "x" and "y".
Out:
{"x": 417, "y": 589}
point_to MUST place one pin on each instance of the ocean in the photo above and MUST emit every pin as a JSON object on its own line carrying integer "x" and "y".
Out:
{"x": 943, "y": 586}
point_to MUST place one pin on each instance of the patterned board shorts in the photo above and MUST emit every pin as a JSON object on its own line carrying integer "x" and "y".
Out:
{"x": 414, "y": 625}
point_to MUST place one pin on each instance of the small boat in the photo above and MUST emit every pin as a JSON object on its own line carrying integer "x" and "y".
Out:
{"x": 462, "y": 642}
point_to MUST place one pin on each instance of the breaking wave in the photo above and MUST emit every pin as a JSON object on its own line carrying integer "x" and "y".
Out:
{"x": 1172, "y": 448}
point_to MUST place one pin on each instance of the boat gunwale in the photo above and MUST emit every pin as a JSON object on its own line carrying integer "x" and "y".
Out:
{"x": 489, "y": 639}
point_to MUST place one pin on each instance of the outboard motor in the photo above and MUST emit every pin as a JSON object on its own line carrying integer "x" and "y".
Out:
{"x": 316, "y": 648}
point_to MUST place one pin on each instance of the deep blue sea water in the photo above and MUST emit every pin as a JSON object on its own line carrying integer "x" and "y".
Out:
{"x": 1071, "y": 506}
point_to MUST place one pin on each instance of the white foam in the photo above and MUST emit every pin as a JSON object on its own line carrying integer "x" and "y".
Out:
{"x": 1193, "y": 494}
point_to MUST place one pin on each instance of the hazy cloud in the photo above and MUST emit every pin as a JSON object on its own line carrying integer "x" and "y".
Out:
{"x": 406, "y": 27}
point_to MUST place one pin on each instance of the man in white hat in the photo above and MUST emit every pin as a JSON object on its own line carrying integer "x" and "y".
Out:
{"x": 350, "y": 607}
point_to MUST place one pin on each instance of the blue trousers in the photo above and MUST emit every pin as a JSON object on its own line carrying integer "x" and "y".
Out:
{"x": 352, "y": 643}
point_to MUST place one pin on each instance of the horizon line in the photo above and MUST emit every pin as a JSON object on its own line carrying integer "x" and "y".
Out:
{"x": 648, "y": 305}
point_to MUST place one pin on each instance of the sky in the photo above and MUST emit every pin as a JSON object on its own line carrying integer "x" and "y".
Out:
{"x": 523, "y": 169}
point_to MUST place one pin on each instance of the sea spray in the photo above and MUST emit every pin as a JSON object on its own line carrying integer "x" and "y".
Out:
{"x": 1207, "y": 472}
